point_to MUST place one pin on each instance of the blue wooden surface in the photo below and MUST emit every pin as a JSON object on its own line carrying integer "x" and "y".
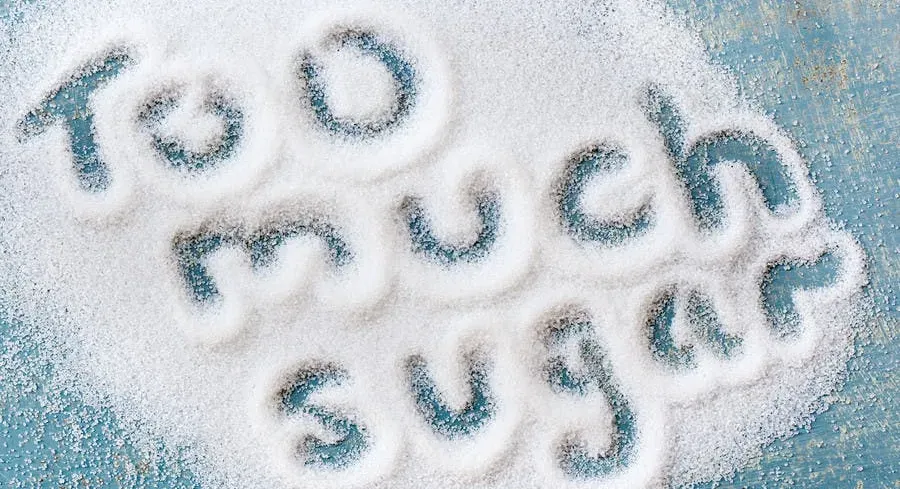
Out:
{"x": 825, "y": 70}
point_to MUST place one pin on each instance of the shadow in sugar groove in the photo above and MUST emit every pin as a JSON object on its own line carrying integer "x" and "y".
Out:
{"x": 70, "y": 105}
{"x": 174, "y": 151}
{"x": 425, "y": 243}
{"x": 191, "y": 250}
{"x": 704, "y": 324}
{"x": 594, "y": 375}
{"x": 783, "y": 278}
{"x": 352, "y": 440}
{"x": 693, "y": 164}
{"x": 589, "y": 164}
{"x": 452, "y": 423}
{"x": 401, "y": 69}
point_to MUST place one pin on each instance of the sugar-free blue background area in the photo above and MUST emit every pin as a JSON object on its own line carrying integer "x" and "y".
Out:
{"x": 825, "y": 70}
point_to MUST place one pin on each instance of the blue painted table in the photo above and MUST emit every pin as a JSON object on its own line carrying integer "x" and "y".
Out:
{"x": 825, "y": 70}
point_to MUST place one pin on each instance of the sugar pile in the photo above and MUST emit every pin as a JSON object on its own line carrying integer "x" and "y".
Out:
{"x": 416, "y": 244}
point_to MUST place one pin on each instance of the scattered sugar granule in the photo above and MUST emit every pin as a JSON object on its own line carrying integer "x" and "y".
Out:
{"x": 416, "y": 244}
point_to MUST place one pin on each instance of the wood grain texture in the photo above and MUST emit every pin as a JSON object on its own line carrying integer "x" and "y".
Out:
{"x": 827, "y": 72}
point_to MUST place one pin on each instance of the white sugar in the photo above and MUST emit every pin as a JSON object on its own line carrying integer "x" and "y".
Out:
{"x": 505, "y": 104}
{"x": 360, "y": 87}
